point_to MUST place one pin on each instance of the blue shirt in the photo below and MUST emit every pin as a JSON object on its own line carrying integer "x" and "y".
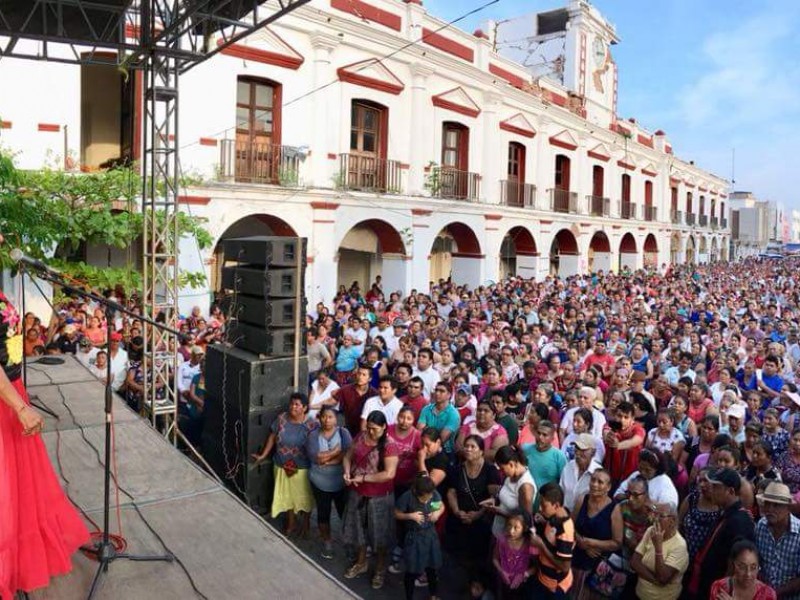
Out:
{"x": 446, "y": 419}
{"x": 782, "y": 557}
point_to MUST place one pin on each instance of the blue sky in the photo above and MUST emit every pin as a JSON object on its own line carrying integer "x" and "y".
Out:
{"x": 713, "y": 74}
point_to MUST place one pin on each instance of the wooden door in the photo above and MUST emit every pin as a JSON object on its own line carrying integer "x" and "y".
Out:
{"x": 257, "y": 149}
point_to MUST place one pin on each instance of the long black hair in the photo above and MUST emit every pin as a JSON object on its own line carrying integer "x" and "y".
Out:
{"x": 376, "y": 417}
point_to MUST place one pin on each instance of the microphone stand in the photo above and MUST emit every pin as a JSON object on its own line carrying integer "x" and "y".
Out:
{"x": 104, "y": 550}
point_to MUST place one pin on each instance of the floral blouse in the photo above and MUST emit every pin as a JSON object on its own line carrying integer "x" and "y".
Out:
{"x": 11, "y": 342}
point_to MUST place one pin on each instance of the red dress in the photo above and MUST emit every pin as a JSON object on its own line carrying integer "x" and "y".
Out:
{"x": 39, "y": 528}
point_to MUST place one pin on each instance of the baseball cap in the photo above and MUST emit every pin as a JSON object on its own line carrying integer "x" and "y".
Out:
{"x": 116, "y": 337}
{"x": 737, "y": 411}
{"x": 399, "y": 323}
{"x": 584, "y": 441}
{"x": 725, "y": 476}
{"x": 464, "y": 389}
{"x": 197, "y": 350}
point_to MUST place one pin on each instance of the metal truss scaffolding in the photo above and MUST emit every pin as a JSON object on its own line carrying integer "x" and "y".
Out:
{"x": 162, "y": 39}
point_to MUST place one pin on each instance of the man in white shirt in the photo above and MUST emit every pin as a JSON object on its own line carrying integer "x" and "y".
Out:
{"x": 386, "y": 402}
{"x": 682, "y": 369}
{"x": 358, "y": 334}
{"x": 187, "y": 372}
{"x": 86, "y": 352}
{"x": 425, "y": 371}
{"x": 384, "y": 330}
{"x": 119, "y": 362}
{"x": 578, "y": 472}
{"x": 586, "y": 398}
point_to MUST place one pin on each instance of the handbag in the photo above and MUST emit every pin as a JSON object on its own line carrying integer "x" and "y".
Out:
{"x": 608, "y": 578}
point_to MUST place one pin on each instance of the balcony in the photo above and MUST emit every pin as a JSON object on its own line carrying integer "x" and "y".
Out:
{"x": 677, "y": 217}
{"x": 563, "y": 201}
{"x": 452, "y": 184}
{"x": 514, "y": 193}
{"x": 714, "y": 223}
{"x": 369, "y": 174}
{"x": 597, "y": 206}
{"x": 703, "y": 220}
{"x": 724, "y": 223}
{"x": 627, "y": 210}
{"x": 650, "y": 213}
{"x": 690, "y": 218}
{"x": 246, "y": 162}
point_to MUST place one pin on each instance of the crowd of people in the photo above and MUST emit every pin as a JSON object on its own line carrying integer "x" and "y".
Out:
{"x": 604, "y": 436}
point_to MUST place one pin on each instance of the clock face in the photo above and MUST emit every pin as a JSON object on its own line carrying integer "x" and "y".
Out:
{"x": 599, "y": 52}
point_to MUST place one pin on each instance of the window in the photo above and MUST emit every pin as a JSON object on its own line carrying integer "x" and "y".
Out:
{"x": 258, "y": 130}
{"x": 562, "y": 172}
{"x": 648, "y": 193}
{"x": 713, "y": 208}
{"x": 626, "y": 188}
{"x": 366, "y": 129}
{"x": 688, "y": 203}
{"x": 455, "y": 146}
{"x": 702, "y": 205}
{"x": 365, "y": 166}
{"x": 674, "y": 199}
{"x": 598, "y": 183}
{"x": 516, "y": 162}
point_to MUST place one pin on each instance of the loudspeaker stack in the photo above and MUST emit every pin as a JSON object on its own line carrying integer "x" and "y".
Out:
{"x": 249, "y": 384}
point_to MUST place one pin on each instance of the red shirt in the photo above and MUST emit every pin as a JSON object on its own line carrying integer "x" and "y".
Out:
{"x": 600, "y": 361}
{"x": 622, "y": 463}
{"x": 365, "y": 460}
{"x": 407, "y": 449}
{"x": 416, "y": 404}
{"x": 351, "y": 403}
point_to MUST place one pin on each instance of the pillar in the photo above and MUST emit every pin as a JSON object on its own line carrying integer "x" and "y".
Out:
{"x": 420, "y": 122}
{"x": 323, "y": 108}
{"x": 490, "y": 163}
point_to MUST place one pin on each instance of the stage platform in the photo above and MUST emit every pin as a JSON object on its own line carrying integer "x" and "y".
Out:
{"x": 229, "y": 551}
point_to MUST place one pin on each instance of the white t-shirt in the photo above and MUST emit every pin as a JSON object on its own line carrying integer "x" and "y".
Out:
{"x": 119, "y": 368}
{"x": 508, "y": 498}
{"x": 318, "y": 396}
{"x": 598, "y": 421}
{"x": 430, "y": 377}
{"x": 661, "y": 444}
{"x": 389, "y": 410}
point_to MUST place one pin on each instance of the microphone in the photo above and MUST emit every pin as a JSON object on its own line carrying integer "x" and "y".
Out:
{"x": 19, "y": 256}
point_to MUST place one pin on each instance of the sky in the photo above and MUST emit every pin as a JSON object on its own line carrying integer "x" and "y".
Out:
{"x": 715, "y": 75}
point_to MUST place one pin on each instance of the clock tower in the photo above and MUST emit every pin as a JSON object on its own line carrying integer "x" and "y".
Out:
{"x": 590, "y": 70}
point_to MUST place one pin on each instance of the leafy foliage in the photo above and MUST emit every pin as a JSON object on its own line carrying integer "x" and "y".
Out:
{"x": 48, "y": 210}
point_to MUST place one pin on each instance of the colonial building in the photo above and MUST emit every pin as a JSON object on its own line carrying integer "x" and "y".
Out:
{"x": 400, "y": 147}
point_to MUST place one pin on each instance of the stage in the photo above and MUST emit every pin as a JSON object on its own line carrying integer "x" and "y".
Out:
{"x": 227, "y": 549}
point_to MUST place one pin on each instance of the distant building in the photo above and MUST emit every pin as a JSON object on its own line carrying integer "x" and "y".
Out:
{"x": 753, "y": 224}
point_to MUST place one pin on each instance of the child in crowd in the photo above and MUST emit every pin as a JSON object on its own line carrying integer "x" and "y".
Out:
{"x": 512, "y": 557}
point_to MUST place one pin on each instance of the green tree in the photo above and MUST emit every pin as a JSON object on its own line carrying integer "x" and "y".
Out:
{"x": 41, "y": 211}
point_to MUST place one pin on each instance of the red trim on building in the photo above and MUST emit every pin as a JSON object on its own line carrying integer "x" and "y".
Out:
{"x": 556, "y": 142}
{"x": 478, "y": 33}
{"x": 644, "y": 140}
{"x": 405, "y": 166}
{"x": 332, "y": 156}
{"x": 689, "y": 185}
{"x": 650, "y": 173}
{"x": 492, "y": 229}
{"x": 49, "y": 127}
{"x": 5, "y": 124}
{"x": 309, "y": 260}
{"x": 675, "y": 181}
{"x": 324, "y": 205}
{"x": 491, "y": 217}
{"x": 466, "y": 255}
{"x": 262, "y": 56}
{"x": 586, "y": 224}
{"x": 517, "y": 130}
{"x": 616, "y": 227}
{"x": 624, "y": 165}
{"x": 421, "y": 226}
{"x": 421, "y": 212}
{"x": 368, "y": 82}
{"x": 667, "y": 148}
{"x": 598, "y": 156}
{"x": 546, "y": 222}
{"x": 702, "y": 189}
{"x": 208, "y": 141}
{"x": 444, "y": 44}
{"x": 362, "y": 10}
{"x": 713, "y": 193}
{"x": 555, "y": 98}
{"x": 516, "y": 80}
{"x": 194, "y": 200}
{"x": 464, "y": 110}
{"x": 323, "y": 221}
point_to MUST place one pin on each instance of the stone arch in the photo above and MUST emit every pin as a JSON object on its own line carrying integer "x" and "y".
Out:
{"x": 714, "y": 256}
{"x": 249, "y": 225}
{"x": 627, "y": 252}
{"x": 599, "y": 253}
{"x": 369, "y": 249}
{"x": 691, "y": 250}
{"x": 650, "y": 251}
{"x": 564, "y": 254}
{"x": 456, "y": 254}
{"x": 518, "y": 253}
{"x": 675, "y": 248}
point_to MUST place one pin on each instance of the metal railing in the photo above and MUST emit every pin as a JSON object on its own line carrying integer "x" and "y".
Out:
{"x": 259, "y": 163}
{"x": 627, "y": 210}
{"x": 724, "y": 223}
{"x": 650, "y": 213}
{"x": 449, "y": 183}
{"x": 563, "y": 201}
{"x": 597, "y": 206}
{"x": 714, "y": 223}
{"x": 676, "y": 217}
{"x": 369, "y": 174}
{"x": 514, "y": 193}
{"x": 703, "y": 220}
{"x": 690, "y": 218}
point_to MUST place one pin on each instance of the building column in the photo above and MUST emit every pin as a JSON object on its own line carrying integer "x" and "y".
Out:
{"x": 323, "y": 256}
{"x": 490, "y": 183}
{"x": 420, "y": 122}
{"x": 323, "y": 105}
{"x": 545, "y": 169}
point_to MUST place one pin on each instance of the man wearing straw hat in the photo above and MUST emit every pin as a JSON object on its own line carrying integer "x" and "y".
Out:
{"x": 778, "y": 541}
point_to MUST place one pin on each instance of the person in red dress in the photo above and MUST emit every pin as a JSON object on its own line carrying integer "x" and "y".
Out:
{"x": 39, "y": 528}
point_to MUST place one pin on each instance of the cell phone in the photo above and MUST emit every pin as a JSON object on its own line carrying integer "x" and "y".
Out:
{"x": 615, "y": 425}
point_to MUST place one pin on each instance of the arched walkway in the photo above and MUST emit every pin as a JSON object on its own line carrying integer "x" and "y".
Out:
{"x": 518, "y": 253}
{"x": 456, "y": 253}
{"x": 714, "y": 250}
{"x": 702, "y": 253}
{"x": 564, "y": 254}
{"x": 257, "y": 224}
{"x": 691, "y": 251}
{"x": 627, "y": 253}
{"x": 650, "y": 251}
{"x": 599, "y": 255}
{"x": 370, "y": 249}
{"x": 723, "y": 251}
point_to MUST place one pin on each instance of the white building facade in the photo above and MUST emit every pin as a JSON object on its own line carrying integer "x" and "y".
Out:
{"x": 412, "y": 161}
